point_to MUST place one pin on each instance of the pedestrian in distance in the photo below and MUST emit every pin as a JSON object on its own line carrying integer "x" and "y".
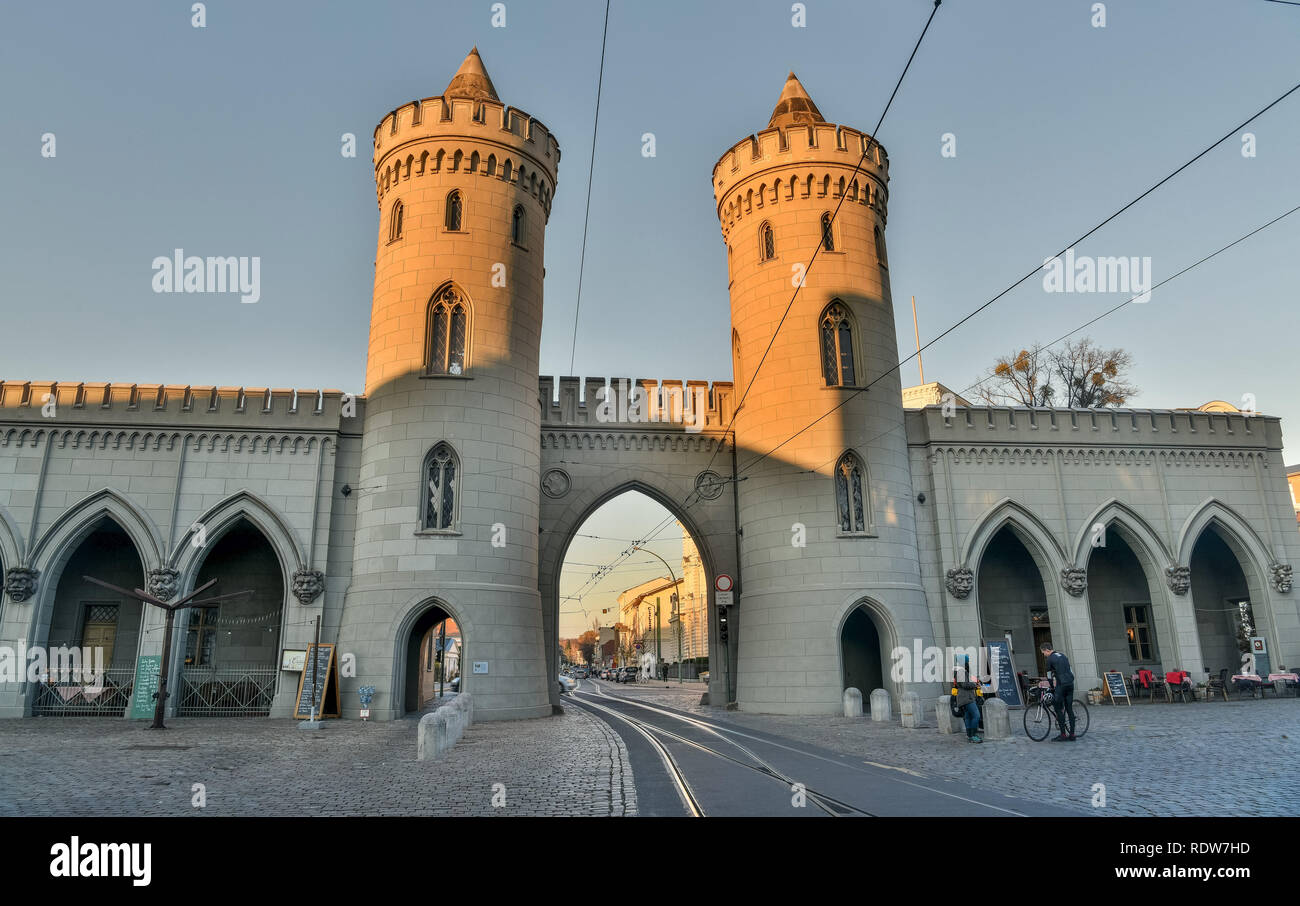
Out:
{"x": 1062, "y": 677}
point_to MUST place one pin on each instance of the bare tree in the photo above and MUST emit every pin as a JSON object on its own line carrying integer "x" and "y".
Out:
{"x": 1093, "y": 377}
{"x": 1021, "y": 379}
{"x": 1078, "y": 375}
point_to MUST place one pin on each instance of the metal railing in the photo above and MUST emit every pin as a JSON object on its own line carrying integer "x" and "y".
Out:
{"x": 226, "y": 691}
{"x": 110, "y": 698}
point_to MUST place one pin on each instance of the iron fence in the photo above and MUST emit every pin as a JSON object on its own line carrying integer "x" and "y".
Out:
{"x": 226, "y": 691}
{"x": 110, "y": 697}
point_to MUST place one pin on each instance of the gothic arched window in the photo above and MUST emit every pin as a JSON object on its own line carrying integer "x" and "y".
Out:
{"x": 455, "y": 210}
{"x": 851, "y": 501}
{"x": 519, "y": 225}
{"x": 441, "y": 468}
{"x": 736, "y": 374}
{"x": 766, "y": 242}
{"x": 881, "y": 258}
{"x": 395, "y": 221}
{"x": 828, "y": 234}
{"x": 837, "y": 346}
{"x": 448, "y": 331}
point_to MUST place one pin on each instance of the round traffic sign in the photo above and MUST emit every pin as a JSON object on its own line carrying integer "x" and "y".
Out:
{"x": 723, "y": 582}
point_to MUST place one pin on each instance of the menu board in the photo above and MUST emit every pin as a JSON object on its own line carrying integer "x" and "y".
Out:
{"x": 1000, "y": 660}
{"x": 148, "y": 668}
{"x": 1115, "y": 687}
{"x": 325, "y": 669}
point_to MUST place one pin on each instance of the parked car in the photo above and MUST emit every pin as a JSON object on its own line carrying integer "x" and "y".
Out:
{"x": 627, "y": 674}
{"x": 704, "y": 677}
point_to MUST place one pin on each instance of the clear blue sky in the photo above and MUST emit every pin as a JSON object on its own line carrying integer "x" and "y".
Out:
{"x": 225, "y": 141}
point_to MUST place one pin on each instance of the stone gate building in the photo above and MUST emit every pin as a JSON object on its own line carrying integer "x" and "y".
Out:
{"x": 453, "y": 486}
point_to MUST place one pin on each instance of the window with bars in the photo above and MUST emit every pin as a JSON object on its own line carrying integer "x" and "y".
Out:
{"x": 440, "y": 476}
{"x": 1141, "y": 641}
{"x": 455, "y": 210}
{"x": 837, "y": 346}
{"x": 766, "y": 242}
{"x": 851, "y": 495}
{"x": 200, "y": 636}
{"x": 828, "y": 233}
{"x": 448, "y": 331}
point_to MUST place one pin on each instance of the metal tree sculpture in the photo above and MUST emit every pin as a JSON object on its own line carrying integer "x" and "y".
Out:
{"x": 170, "y": 610}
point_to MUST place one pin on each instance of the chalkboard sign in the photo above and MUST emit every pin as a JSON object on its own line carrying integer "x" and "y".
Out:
{"x": 321, "y": 665}
{"x": 1115, "y": 687}
{"x": 147, "y": 670}
{"x": 1005, "y": 679}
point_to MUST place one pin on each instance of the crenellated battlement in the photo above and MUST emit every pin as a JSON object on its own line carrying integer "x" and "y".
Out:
{"x": 820, "y": 152}
{"x": 51, "y": 401}
{"x": 483, "y": 137}
{"x": 643, "y": 403}
{"x": 1124, "y": 427}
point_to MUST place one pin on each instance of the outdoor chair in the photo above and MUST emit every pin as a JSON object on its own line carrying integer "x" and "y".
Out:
{"x": 1217, "y": 686}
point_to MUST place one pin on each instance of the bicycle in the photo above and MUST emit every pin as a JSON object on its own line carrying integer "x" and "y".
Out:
{"x": 1040, "y": 715}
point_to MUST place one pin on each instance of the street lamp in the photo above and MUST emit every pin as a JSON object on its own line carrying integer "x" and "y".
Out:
{"x": 673, "y": 576}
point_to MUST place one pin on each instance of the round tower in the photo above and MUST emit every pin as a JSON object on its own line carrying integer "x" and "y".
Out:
{"x": 829, "y": 530}
{"x": 447, "y": 497}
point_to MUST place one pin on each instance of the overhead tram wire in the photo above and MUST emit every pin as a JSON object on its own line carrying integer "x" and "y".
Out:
{"x": 834, "y": 214}
{"x": 1229, "y": 134}
{"x": 1106, "y": 313}
{"x": 582, "y": 258}
{"x": 1133, "y": 300}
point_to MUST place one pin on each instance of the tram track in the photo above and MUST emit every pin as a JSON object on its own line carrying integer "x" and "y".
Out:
{"x": 731, "y": 737}
{"x": 656, "y": 734}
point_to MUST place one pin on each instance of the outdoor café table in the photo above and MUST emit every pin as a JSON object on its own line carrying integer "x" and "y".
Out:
{"x": 1290, "y": 680}
{"x": 1247, "y": 682}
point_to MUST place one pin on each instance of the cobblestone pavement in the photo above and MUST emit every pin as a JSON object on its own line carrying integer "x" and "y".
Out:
{"x": 570, "y": 764}
{"x": 1208, "y": 758}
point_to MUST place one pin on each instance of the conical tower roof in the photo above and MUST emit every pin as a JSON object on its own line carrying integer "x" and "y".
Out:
{"x": 471, "y": 81}
{"x": 794, "y": 107}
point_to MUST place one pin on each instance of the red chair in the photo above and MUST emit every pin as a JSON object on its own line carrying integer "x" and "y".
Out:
{"x": 1178, "y": 682}
{"x": 1147, "y": 680}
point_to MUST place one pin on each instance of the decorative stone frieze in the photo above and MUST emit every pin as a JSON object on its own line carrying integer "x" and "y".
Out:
{"x": 1281, "y": 577}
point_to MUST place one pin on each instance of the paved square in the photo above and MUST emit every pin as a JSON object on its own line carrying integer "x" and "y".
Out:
{"x": 565, "y": 765}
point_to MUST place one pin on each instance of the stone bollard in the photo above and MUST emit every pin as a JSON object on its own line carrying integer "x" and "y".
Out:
{"x": 997, "y": 720}
{"x": 913, "y": 713}
{"x": 943, "y": 714}
{"x": 439, "y": 731}
{"x": 852, "y": 702}
{"x": 880, "y": 705}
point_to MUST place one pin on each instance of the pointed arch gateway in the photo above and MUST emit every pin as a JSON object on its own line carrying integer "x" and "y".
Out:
{"x": 1229, "y": 588}
{"x": 1016, "y": 564}
{"x": 1136, "y": 621}
{"x": 562, "y": 522}
{"x": 93, "y": 627}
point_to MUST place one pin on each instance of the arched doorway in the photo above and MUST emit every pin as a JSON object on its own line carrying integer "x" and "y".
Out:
{"x": 1130, "y": 622}
{"x": 1013, "y": 597}
{"x": 1225, "y": 613}
{"x": 864, "y": 654}
{"x": 633, "y": 590}
{"x": 93, "y": 621}
{"x": 434, "y": 651}
{"x": 229, "y": 652}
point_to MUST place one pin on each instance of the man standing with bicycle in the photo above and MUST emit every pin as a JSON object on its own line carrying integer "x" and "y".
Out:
{"x": 1058, "y": 666}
